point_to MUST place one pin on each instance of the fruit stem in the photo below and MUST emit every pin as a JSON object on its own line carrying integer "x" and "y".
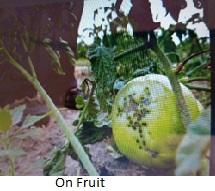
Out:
{"x": 182, "y": 105}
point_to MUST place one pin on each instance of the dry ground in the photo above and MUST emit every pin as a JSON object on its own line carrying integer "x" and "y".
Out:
{"x": 40, "y": 147}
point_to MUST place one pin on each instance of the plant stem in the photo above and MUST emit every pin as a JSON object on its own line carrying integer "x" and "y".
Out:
{"x": 5, "y": 141}
{"x": 59, "y": 118}
{"x": 141, "y": 47}
{"x": 182, "y": 64}
{"x": 183, "y": 108}
{"x": 198, "y": 79}
{"x": 12, "y": 166}
{"x": 198, "y": 88}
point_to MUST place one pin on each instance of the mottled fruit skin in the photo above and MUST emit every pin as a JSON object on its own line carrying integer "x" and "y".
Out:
{"x": 146, "y": 123}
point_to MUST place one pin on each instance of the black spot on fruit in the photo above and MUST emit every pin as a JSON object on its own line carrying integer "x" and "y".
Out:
{"x": 136, "y": 124}
{"x": 144, "y": 112}
{"x": 147, "y": 91}
{"x": 134, "y": 128}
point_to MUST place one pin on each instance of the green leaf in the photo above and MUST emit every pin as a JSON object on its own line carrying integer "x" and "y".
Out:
{"x": 11, "y": 153}
{"x": 89, "y": 133}
{"x": 55, "y": 57}
{"x": 38, "y": 164}
{"x": 5, "y": 120}
{"x": 34, "y": 132}
{"x": 56, "y": 165}
{"x": 75, "y": 123}
{"x": 104, "y": 71}
{"x": 17, "y": 114}
{"x": 68, "y": 51}
{"x": 169, "y": 46}
{"x": 32, "y": 119}
{"x": 80, "y": 102}
{"x": 190, "y": 153}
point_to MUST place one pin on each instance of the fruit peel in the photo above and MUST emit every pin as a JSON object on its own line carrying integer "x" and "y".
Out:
{"x": 146, "y": 122}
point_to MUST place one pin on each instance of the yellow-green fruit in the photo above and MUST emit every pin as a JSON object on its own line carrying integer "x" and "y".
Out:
{"x": 147, "y": 126}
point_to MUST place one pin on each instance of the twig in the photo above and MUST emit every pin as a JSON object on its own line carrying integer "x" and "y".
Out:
{"x": 32, "y": 67}
{"x": 182, "y": 64}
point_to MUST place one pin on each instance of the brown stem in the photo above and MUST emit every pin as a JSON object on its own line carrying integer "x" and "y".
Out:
{"x": 182, "y": 64}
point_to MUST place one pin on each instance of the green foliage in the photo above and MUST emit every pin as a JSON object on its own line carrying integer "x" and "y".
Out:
{"x": 191, "y": 152}
{"x": 104, "y": 72}
{"x": 9, "y": 118}
{"x": 140, "y": 62}
{"x": 32, "y": 119}
{"x": 17, "y": 114}
{"x": 80, "y": 102}
{"x": 90, "y": 133}
{"x": 56, "y": 165}
{"x": 91, "y": 123}
{"x": 55, "y": 54}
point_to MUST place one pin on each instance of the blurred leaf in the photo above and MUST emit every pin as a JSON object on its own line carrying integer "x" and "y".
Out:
{"x": 89, "y": 133}
{"x": 34, "y": 132}
{"x": 102, "y": 120}
{"x": 32, "y": 119}
{"x": 193, "y": 145}
{"x": 11, "y": 153}
{"x": 55, "y": 56}
{"x": 80, "y": 102}
{"x": 75, "y": 123}
{"x": 5, "y": 120}
{"x": 17, "y": 114}
{"x": 56, "y": 165}
{"x": 68, "y": 51}
{"x": 169, "y": 46}
{"x": 104, "y": 71}
{"x": 38, "y": 164}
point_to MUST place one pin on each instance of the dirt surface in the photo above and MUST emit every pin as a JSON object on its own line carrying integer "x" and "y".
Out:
{"x": 41, "y": 147}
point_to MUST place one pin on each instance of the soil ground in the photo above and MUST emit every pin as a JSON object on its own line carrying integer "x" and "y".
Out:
{"x": 42, "y": 146}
